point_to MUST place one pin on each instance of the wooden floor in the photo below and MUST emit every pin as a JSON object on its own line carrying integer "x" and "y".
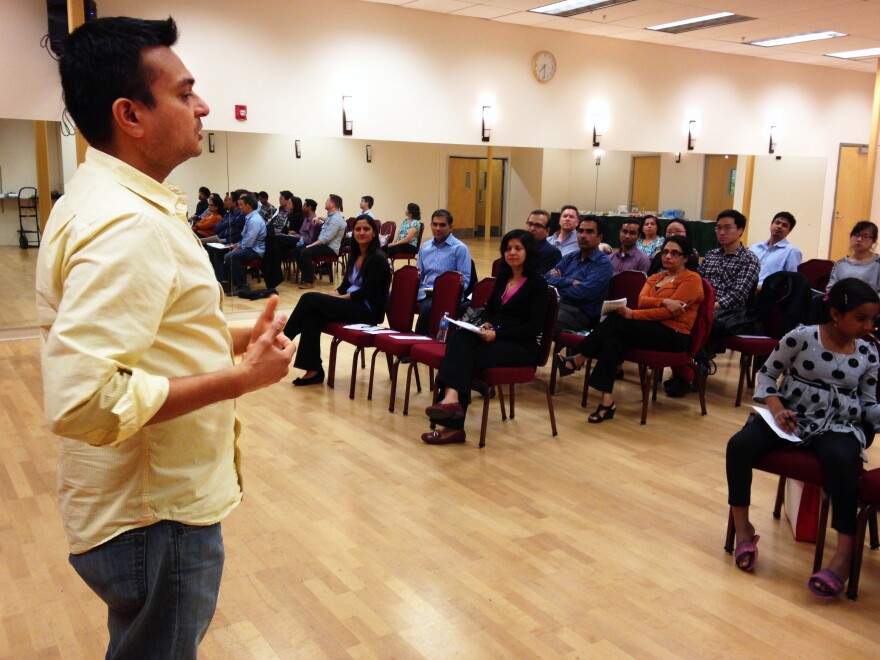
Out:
{"x": 356, "y": 540}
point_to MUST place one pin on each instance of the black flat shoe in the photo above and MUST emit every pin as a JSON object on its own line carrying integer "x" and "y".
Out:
{"x": 317, "y": 379}
{"x": 597, "y": 417}
{"x": 565, "y": 365}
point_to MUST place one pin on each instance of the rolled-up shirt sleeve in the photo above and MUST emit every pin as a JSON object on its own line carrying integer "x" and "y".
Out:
{"x": 98, "y": 386}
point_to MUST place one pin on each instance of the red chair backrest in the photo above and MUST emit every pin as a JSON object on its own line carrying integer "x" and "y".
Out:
{"x": 549, "y": 324}
{"x": 817, "y": 271}
{"x": 448, "y": 288}
{"x": 496, "y": 266}
{"x": 389, "y": 229}
{"x": 349, "y": 225}
{"x": 482, "y": 291}
{"x": 378, "y": 225}
{"x": 402, "y": 300}
{"x": 627, "y": 284}
{"x": 703, "y": 324}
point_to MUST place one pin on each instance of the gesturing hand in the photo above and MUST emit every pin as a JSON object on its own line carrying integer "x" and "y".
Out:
{"x": 265, "y": 321}
{"x": 267, "y": 359}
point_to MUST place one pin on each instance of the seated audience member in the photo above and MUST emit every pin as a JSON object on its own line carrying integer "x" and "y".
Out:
{"x": 303, "y": 214}
{"x": 230, "y": 227}
{"x": 326, "y": 245}
{"x": 549, "y": 255}
{"x": 266, "y": 209}
{"x": 202, "y": 204}
{"x": 442, "y": 253}
{"x": 295, "y": 217}
{"x": 731, "y": 269}
{"x": 629, "y": 257}
{"x": 566, "y": 238}
{"x": 251, "y": 246}
{"x": 650, "y": 242}
{"x": 407, "y": 241}
{"x": 776, "y": 253}
{"x": 668, "y": 306}
{"x": 510, "y": 337}
{"x": 676, "y": 228}
{"x": 279, "y": 219}
{"x": 366, "y": 206}
{"x": 211, "y": 218}
{"x": 827, "y": 394}
{"x": 582, "y": 279}
{"x": 360, "y": 298}
{"x": 863, "y": 264}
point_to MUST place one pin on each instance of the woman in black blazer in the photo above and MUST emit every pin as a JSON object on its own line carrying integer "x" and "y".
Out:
{"x": 359, "y": 299}
{"x": 514, "y": 319}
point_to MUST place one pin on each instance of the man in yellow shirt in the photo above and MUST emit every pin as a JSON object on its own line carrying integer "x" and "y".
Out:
{"x": 138, "y": 370}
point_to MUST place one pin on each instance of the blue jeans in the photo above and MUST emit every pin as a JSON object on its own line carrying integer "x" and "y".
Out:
{"x": 160, "y": 584}
{"x": 234, "y": 260}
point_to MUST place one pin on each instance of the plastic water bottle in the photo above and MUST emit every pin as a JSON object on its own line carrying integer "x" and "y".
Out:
{"x": 443, "y": 330}
{"x": 300, "y": 243}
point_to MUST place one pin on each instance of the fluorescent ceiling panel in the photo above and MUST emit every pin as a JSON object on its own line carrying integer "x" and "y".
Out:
{"x": 796, "y": 38}
{"x": 700, "y": 22}
{"x": 575, "y": 7}
{"x": 856, "y": 54}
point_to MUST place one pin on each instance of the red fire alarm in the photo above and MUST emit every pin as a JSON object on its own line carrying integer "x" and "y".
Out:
{"x": 241, "y": 112}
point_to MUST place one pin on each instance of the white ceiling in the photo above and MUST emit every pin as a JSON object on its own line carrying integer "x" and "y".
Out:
{"x": 859, "y": 19}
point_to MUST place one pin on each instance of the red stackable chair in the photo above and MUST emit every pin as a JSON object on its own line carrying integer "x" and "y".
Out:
{"x": 410, "y": 257}
{"x": 401, "y": 311}
{"x": 448, "y": 288}
{"x": 817, "y": 271}
{"x": 869, "y": 495}
{"x": 430, "y": 353}
{"x": 656, "y": 361}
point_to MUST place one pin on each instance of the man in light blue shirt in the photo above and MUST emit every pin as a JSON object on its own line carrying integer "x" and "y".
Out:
{"x": 367, "y": 206}
{"x": 436, "y": 257}
{"x": 252, "y": 244}
{"x": 566, "y": 239}
{"x": 777, "y": 254}
{"x": 326, "y": 245}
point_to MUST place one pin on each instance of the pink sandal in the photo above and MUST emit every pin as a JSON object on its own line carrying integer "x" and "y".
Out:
{"x": 746, "y": 554}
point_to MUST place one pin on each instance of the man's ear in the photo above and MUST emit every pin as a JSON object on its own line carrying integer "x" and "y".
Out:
{"x": 127, "y": 117}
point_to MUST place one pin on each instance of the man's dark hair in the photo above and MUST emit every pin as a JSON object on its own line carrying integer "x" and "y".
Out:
{"x": 734, "y": 215}
{"x": 312, "y": 204}
{"x": 205, "y": 191}
{"x": 570, "y": 206}
{"x": 600, "y": 224}
{"x": 286, "y": 194}
{"x": 442, "y": 213}
{"x": 337, "y": 200}
{"x": 788, "y": 217}
{"x": 263, "y": 195}
{"x": 249, "y": 199}
{"x": 235, "y": 194}
{"x": 368, "y": 200}
{"x": 634, "y": 221}
{"x": 102, "y": 61}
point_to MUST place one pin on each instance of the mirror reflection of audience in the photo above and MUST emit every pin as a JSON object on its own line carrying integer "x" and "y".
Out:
{"x": 650, "y": 241}
{"x": 828, "y": 390}
{"x": 407, "y": 241}
{"x": 279, "y": 218}
{"x": 510, "y": 335}
{"x": 211, "y": 218}
{"x": 676, "y": 228}
{"x": 360, "y": 298}
{"x": 862, "y": 264}
{"x": 301, "y": 227}
{"x": 668, "y": 306}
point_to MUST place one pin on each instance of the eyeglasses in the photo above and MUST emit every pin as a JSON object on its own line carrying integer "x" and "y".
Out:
{"x": 724, "y": 228}
{"x": 671, "y": 253}
{"x": 862, "y": 237}
{"x": 529, "y": 223}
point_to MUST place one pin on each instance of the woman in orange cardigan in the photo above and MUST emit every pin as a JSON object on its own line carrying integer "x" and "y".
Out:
{"x": 668, "y": 305}
{"x": 205, "y": 226}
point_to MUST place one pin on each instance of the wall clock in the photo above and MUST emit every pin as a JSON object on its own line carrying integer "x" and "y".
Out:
{"x": 543, "y": 66}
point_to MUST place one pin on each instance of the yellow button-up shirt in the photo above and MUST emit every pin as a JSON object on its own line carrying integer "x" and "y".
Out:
{"x": 126, "y": 300}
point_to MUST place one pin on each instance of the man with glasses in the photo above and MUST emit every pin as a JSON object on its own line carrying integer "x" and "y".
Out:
{"x": 731, "y": 269}
{"x": 629, "y": 257}
{"x": 538, "y": 224}
{"x": 776, "y": 254}
{"x": 582, "y": 279}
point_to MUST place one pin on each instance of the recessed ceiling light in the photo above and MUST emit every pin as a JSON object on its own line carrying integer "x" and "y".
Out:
{"x": 796, "y": 38}
{"x": 700, "y": 22}
{"x": 856, "y": 54}
{"x": 575, "y": 7}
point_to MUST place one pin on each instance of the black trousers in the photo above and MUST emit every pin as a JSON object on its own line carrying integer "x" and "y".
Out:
{"x": 304, "y": 258}
{"x": 612, "y": 338}
{"x": 311, "y": 313}
{"x": 837, "y": 452}
{"x": 404, "y": 248}
{"x": 467, "y": 355}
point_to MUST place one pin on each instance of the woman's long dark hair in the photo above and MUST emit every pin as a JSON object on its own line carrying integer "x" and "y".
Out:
{"x": 414, "y": 211}
{"x": 846, "y": 295}
{"x": 355, "y": 248}
{"x": 530, "y": 267}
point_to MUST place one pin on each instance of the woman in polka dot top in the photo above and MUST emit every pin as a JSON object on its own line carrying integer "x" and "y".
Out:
{"x": 826, "y": 395}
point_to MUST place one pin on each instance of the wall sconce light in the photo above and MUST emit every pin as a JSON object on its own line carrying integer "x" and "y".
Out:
{"x": 599, "y": 126}
{"x": 298, "y": 148}
{"x": 598, "y": 154}
{"x": 369, "y": 153}
{"x": 773, "y": 140}
{"x": 692, "y": 134}
{"x": 347, "y": 119}
{"x": 677, "y": 156}
{"x": 488, "y": 121}
{"x": 211, "y": 142}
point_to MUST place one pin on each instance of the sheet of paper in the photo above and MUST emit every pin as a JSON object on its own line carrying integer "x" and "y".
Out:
{"x": 359, "y": 326}
{"x": 467, "y": 326}
{"x": 218, "y": 246}
{"x": 412, "y": 337}
{"x": 767, "y": 416}
{"x": 610, "y": 305}
{"x": 380, "y": 331}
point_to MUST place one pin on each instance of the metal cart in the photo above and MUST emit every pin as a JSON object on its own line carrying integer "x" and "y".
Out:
{"x": 27, "y": 211}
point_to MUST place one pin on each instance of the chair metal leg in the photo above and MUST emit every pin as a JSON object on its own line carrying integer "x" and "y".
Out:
{"x": 431, "y": 378}
{"x": 554, "y": 368}
{"x": 586, "y": 393}
{"x": 780, "y": 498}
{"x": 731, "y": 533}
{"x": 512, "y": 402}
{"x": 409, "y": 372}
{"x": 701, "y": 385}
{"x": 372, "y": 371}
{"x": 395, "y": 366}
{"x": 354, "y": 360}
{"x": 872, "y": 525}
{"x": 331, "y": 369}
{"x": 824, "y": 502}
{"x": 418, "y": 380}
{"x": 363, "y": 358}
{"x": 485, "y": 421}
{"x": 656, "y": 374}
{"x": 549, "y": 406}
{"x": 646, "y": 390}
{"x": 500, "y": 390}
{"x": 744, "y": 366}
{"x": 867, "y": 517}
